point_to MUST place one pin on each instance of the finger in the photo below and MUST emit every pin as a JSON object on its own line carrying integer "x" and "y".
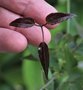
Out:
{"x": 6, "y": 17}
{"x": 37, "y": 10}
{"x": 11, "y": 41}
{"x": 16, "y": 6}
{"x": 33, "y": 34}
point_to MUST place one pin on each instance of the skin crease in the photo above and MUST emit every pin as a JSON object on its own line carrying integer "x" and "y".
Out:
{"x": 17, "y": 39}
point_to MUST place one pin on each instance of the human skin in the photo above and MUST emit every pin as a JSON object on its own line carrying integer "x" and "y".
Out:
{"x": 16, "y": 40}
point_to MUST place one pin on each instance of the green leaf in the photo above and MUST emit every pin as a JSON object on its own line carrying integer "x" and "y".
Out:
{"x": 5, "y": 87}
{"x": 70, "y": 61}
{"x": 32, "y": 74}
{"x": 26, "y": 52}
{"x": 33, "y": 51}
{"x": 13, "y": 76}
{"x": 74, "y": 82}
{"x": 67, "y": 86}
{"x": 6, "y": 57}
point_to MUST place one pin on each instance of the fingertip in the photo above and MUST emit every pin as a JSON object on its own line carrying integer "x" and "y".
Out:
{"x": 18, "y": 46}
{"x": 12, "y": 41}
{"x": 52, "y": 26}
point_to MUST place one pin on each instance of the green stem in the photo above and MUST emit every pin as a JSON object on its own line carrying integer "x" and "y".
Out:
{"x": 68, "y": 11}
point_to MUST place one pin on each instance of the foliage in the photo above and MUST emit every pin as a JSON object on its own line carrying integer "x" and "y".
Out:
{"x": 23, "y": 71}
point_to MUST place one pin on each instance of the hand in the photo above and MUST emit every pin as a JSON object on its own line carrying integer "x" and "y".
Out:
{"x": 17, "y": 41}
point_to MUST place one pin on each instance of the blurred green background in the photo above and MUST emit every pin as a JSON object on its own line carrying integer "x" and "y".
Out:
{"x": 23, "y": 71}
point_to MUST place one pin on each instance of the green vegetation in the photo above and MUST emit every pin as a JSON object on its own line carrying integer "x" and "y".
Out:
{"x": 23, "y": 71}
